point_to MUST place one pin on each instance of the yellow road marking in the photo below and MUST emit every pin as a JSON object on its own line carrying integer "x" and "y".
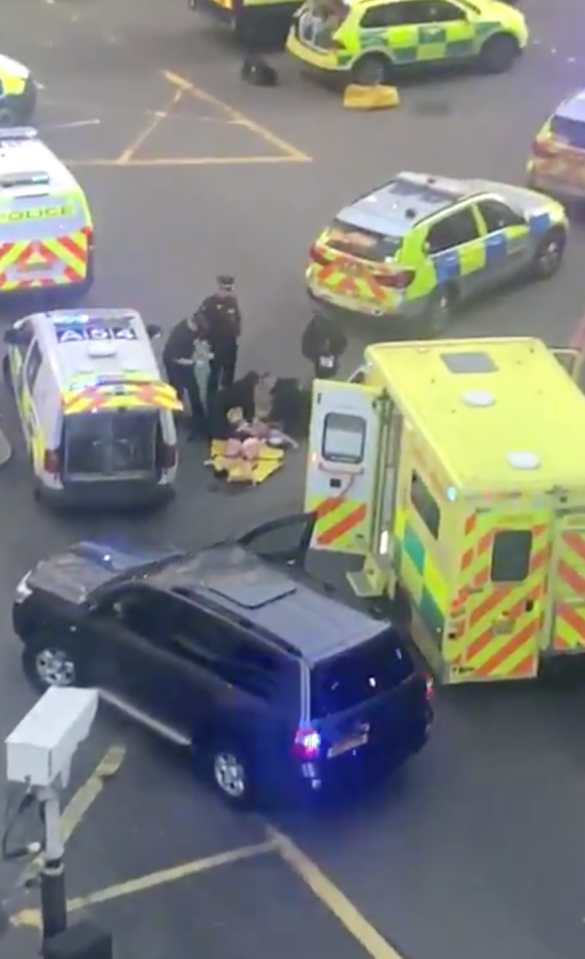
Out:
{"x": 334, "y": 899}
{"x": 236, "y": 115}
{"x": 80, "y": 804}
{"x": 127, "y": 154}
{"x": 181, "y": 162}
{"x": 32, "y": 917}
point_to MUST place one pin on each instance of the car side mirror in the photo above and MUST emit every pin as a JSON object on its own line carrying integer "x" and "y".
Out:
{"x": 153, "y": 331}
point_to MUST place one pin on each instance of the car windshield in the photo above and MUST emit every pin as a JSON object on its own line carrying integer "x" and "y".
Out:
{"x": 571, "y": 132}
{"x": 365, "y": 244}
{"x": 116, "y": 443}
{"x": 369, "y": 670}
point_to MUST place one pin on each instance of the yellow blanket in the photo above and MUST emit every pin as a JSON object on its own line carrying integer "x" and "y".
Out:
{"x": 269, "y": 461}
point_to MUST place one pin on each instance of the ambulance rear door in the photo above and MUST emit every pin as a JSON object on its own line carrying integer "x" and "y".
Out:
{"x": 341, "y": 487}
{"x": 568, "y": 582}
{"x": 507, "y": 566}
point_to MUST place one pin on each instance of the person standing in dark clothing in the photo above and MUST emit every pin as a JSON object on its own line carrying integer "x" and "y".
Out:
{"x": 323, "y": 345}
{"x": 179, "y": 356}
{"x": 223, "y": 319}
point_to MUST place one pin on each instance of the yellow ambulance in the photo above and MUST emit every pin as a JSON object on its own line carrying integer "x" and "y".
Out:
{"x": 455, "y": 470}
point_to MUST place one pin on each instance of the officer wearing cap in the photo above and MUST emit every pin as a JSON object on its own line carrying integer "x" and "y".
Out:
{"x": 224, "y": 326}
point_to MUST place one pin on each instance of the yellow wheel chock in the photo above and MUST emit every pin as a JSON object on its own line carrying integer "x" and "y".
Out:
{"x": 380, "y": 97}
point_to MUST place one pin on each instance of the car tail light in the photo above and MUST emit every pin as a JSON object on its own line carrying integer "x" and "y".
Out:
{"x": 168, "y": 456}
{"x": 307, "y": 745}
{"x": 429, "y": 689}
{"x": 52, "y": 463}
{"x": 88, "y": 232}
{"x": 396, "y": 281}
{"x": 543, "y": 148}
{"x": 317, "y": 256}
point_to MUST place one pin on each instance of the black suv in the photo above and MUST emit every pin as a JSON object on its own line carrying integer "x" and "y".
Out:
{"x": 235, "y": 652}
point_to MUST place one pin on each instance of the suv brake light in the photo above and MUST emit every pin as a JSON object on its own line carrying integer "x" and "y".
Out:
{"x": 543, "y": 149}
{"x": 317, "y": 256}
{"x": 307, "y": 744}
{"x": 51, "y": 463}
{"x": 396, "y": 281}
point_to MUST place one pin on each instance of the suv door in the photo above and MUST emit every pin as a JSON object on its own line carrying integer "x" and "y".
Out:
{"x": 456, "y": 251}
{"x": 285, "y": 541}
{"x": 507, "y": 239}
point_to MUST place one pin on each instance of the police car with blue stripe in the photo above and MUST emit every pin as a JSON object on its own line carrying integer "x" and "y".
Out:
{"x": 417, "y": 248}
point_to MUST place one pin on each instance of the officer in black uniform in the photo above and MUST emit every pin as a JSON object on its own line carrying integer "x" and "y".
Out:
{"x": 179, "y": 361}
{"x": 223, "y": 322}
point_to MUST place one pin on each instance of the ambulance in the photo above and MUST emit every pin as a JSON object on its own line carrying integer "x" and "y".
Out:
{"x": 46, "y": 226}
{"x": 453, "y": 471}
{"x": 96, "y": 416}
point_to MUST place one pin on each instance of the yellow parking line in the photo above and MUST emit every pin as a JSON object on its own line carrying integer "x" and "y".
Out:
{"x": 127, "y": 154}
{"x": 334, "y": 899}
{"x": 80, "y": 804}
{"x": 32, "y": 917}
{"x": 182, "y": 162}
{"x": 237, "y": 116}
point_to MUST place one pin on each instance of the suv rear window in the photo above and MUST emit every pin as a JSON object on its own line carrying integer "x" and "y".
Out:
{"x": 369, "y": 670}
{"x": 363, "y": 243}
{"x": 571, "y": 132}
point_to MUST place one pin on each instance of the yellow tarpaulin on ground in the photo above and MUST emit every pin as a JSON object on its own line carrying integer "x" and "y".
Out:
{"x": 269, "y": 461}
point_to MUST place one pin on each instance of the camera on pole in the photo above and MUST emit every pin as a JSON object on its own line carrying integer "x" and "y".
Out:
{"x": 39, "y": 752}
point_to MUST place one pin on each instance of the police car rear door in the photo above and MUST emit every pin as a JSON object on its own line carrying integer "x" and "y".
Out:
{"x": 343, "y": 468}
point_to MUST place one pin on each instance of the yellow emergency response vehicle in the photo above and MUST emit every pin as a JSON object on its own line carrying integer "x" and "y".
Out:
{"x": 455, "y": 469}
{"x": 46, "y": 227}
{"x": 253, "y": 21}
{"x": 18, "y": 92}
{"x": 97, "y": 418}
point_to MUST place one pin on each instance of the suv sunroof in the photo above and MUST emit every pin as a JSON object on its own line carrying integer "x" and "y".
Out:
{"x": 253, "y": 589}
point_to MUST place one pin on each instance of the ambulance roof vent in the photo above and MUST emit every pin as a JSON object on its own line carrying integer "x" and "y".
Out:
{"x": 468, "y": 362}
{"x": 99, "y": 351}
{"x": 523, "y": 461}
{"x": 479, "y": 398}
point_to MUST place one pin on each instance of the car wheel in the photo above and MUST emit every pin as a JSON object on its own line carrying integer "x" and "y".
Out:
{"x": 549, "y": 254}
{"x": 439, "y": 312}
{"x": 231, "y": 773}
{"x": 373, "y": 70}
{"x": 48, "y": 664}
{"x": 499, "y": 53}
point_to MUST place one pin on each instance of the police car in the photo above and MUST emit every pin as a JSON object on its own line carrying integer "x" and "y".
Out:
{"x": 46, "y": 224}
{"x": 557, "y": 158}
{"x": 18, "y": 92}
{"x": 97, "y": 418}
{"x": 412, "y": 251}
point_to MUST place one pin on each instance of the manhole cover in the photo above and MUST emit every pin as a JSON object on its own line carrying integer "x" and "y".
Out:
{"x": 432, "y": 108}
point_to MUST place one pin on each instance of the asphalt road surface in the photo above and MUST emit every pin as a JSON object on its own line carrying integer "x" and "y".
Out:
{"x": 477, "y": 848}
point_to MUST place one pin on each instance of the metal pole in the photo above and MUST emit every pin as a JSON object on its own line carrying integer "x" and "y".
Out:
{"x": 53, "y": 897}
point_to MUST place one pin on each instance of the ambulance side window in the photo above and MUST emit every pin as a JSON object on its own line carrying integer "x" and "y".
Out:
{"x": 33, "y": 365}
{"x": 511, "y": 555}
{"x": 344, "y": 438}
{"x": 425, "y": 504}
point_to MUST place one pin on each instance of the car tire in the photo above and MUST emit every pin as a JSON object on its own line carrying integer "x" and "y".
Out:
{"x": 549, "y": 255}
{"x": 47, "y": 663}
{"x": 499, "y": 53}
{"x": 231, "y": 773}
{"x": 372, "y": 70}
{"x": 439, "y": 312}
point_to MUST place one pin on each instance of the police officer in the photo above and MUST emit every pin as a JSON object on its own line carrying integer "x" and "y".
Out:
{"x": 223, "y": 321}
{"x": 179, "y": 357}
